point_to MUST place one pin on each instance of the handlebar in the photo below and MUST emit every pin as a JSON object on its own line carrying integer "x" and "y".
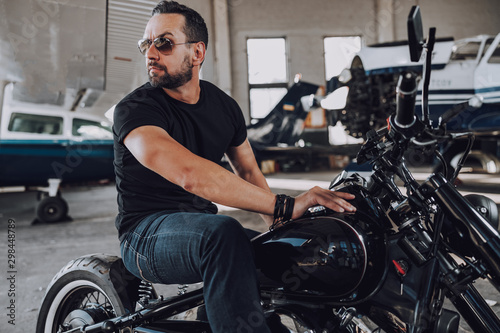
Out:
{"x": 405, "y": 103}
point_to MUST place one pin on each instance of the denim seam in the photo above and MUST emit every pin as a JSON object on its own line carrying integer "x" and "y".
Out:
{"x": 139, "y": 267}
{"x": 129, "y": 247}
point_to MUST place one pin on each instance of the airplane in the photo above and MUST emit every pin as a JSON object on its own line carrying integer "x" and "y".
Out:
{"x": 43, "y": 146}
{"x": 461, "y": 69}
{"x": 283, "y": 137}
{"x": 63, "y": 64}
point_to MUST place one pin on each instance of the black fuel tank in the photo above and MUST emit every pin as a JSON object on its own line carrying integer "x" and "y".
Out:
{"x": 328, "y": 255}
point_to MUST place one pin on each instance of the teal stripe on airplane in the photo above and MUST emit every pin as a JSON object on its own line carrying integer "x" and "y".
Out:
{"x": 54, "y": 152}
{"x": 461, "y": 91}
{"x": 51, "y": 148}
{"x": 398, "y": 69}
{"x": 487, "y": 90}
{"x": 55, "y": 141}
{"x": 34, "y": 142}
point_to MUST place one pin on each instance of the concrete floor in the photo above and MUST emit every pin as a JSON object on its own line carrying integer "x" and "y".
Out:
{"x": 42, "y": 249}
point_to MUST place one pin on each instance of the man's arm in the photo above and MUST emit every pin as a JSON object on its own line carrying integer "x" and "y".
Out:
{"x": 242, "y": 160}
{"x": 154, "y": 148}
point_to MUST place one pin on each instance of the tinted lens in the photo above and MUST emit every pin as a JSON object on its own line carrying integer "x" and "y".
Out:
{"x": 164, "y": 45}
{"x": 143, "y": 45}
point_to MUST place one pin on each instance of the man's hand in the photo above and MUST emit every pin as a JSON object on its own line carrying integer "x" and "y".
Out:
{"x": 318, "y": 196}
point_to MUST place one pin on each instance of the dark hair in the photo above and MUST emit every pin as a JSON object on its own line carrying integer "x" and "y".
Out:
{"x": 195, "y": 28}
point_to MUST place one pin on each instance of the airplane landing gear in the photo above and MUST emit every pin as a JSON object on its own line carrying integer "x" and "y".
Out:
{"x": 52, "y": 209}
{"x": 51, "y": 206}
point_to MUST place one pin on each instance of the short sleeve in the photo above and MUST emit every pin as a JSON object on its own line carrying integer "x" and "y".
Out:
{"x": 240, "y": 134}
{"x": 133, "y": 112}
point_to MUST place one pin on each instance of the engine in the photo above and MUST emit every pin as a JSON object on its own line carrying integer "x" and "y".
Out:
{"x": 369, "y": 102}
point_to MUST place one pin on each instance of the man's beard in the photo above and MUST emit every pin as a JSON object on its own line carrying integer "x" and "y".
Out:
{"x": 171, "y": 81}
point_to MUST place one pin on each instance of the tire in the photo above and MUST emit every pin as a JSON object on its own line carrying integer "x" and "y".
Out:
{"x": 52, "y": 209}
{"x": 97, "y": 284}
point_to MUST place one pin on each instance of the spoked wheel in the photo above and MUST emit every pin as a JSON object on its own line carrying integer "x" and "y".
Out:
{"x": 82, "y": 294}
{"x": 79, "y": 303}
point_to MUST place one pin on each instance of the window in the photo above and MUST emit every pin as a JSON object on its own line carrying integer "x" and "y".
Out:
{"x": 267, "y": 74}
{"x": 487, "y": 45}
{"x": 495, "y": 57}
{"x": 465, "y": 51}
{"x": 262, "y": 100}
{"x": 339, "y": 52}
{"x": 91, "y": 129}
{"x": 32, "y": 123}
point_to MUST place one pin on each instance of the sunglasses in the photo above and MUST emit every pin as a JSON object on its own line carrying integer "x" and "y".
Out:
{"x": 162, "y": 44}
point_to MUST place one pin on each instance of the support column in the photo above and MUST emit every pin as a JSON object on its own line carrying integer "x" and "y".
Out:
{"x": 222, "y": 49}
{"x": 386, "y": 25}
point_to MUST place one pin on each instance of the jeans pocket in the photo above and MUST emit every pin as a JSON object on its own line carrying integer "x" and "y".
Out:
{"x": 137, "y": 263}
{"x": 145, "y": 270}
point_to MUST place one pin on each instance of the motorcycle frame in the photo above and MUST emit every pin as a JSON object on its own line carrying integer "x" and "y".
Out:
{"x": 486, "y": 239}
{"x": 153, "y": 312}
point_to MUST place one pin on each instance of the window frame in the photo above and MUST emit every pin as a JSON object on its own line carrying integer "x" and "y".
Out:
{"x": 269, "y": 85}
{"x": 494, "y": 58}
{"x": 56, "y": 120}
{"x": 458, "y": 49}
{"x": 89, "y": 122}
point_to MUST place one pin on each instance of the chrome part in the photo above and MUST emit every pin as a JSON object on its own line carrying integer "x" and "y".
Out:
{"x": 146, "y": 293}
{"x": 351, "y": 322}
{"x": 182, "y": 289}
{"x": 488, "y": 163}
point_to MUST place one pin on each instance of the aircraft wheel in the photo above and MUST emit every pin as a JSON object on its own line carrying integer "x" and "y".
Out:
{"x": 52, "y": 209}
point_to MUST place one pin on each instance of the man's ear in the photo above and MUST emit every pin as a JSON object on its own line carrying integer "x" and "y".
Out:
{"x": 199, "y": 53}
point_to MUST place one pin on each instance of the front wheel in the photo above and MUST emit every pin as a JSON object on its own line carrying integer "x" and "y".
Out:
{"x": 85, "y": 292}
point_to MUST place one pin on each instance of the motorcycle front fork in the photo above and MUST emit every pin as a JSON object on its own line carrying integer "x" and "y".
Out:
{"x": 475, "y": 311}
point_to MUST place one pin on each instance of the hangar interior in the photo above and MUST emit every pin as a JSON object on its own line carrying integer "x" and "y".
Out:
{"x": 82, "y": 56}
{"x": 51, "y": 46}
{"x": 74, "y": 60}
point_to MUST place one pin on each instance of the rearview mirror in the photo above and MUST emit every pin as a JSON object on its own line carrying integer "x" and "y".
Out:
{"x": 415, "y": 33}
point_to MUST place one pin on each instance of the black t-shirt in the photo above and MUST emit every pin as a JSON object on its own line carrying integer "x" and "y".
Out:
{"x": 206, "y": 128}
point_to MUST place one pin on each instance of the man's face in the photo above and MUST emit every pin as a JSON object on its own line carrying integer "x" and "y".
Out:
{"x": 174, "y": 70}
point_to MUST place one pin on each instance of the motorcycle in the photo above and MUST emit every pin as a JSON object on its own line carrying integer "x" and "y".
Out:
{"x": 388, "y": 267}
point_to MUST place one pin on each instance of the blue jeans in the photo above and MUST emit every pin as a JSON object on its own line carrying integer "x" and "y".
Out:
{"x": 185, "y": 248}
